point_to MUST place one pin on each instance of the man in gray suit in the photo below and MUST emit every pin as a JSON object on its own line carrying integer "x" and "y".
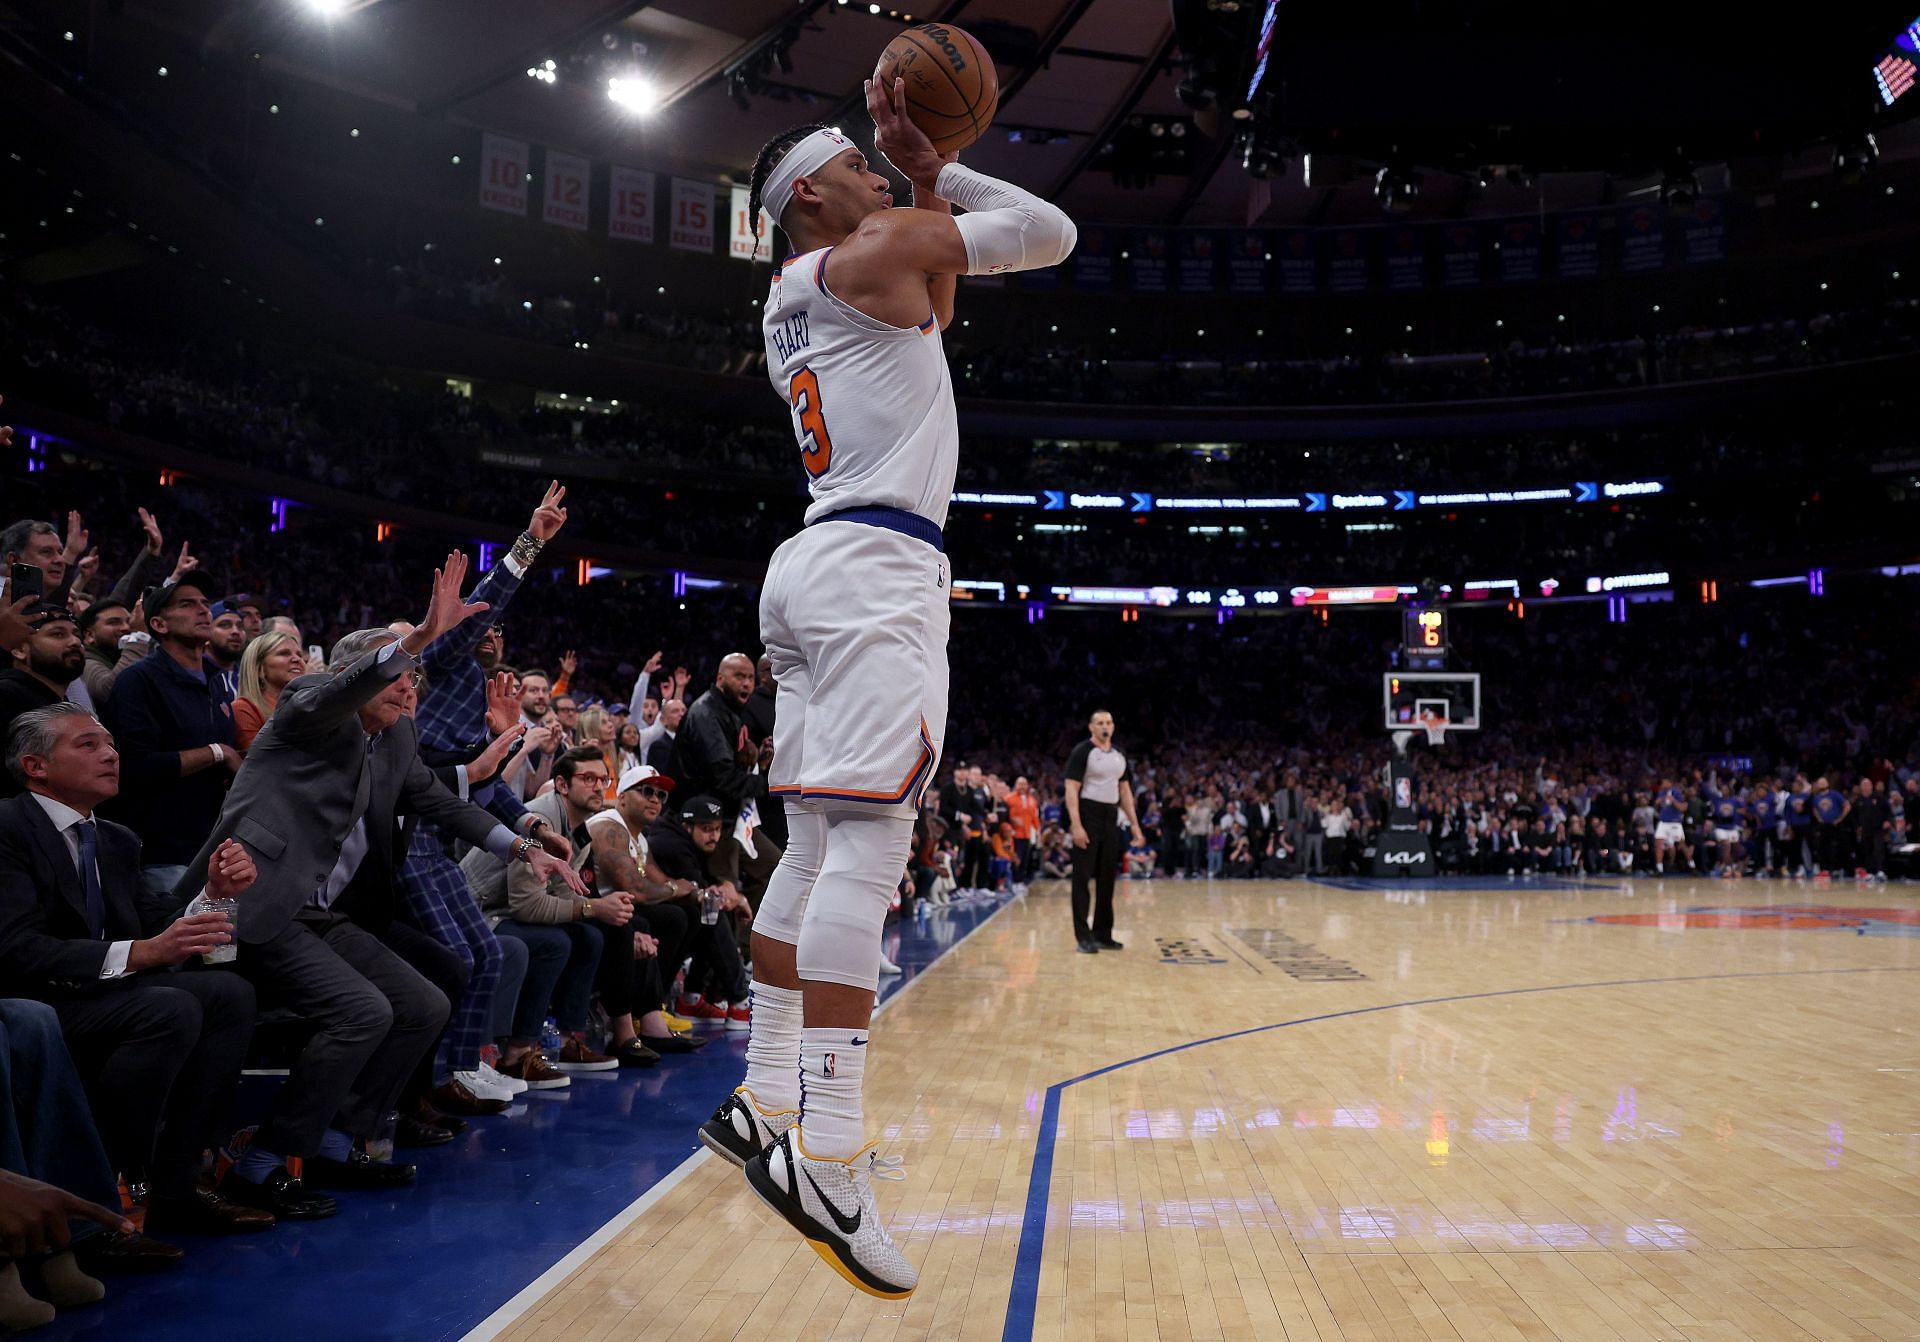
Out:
{"x": 316, "y": 805}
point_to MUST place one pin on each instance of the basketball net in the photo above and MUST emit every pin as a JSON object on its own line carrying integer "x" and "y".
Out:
{"x": 1435, "y": 726}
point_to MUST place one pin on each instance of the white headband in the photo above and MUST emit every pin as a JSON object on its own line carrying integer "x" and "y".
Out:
{"x": 803, "y": 160}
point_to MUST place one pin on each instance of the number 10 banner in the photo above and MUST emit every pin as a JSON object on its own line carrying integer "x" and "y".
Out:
{"x": 691, "y": 229}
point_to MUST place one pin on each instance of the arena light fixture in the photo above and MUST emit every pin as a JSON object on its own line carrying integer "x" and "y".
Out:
{"x": 328, "y": 9}
{"x": 635, "y": 94}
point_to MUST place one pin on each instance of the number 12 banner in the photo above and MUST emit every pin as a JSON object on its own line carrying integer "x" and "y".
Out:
{"x": 691, "y": 227}
{"x": 568, "y": 181}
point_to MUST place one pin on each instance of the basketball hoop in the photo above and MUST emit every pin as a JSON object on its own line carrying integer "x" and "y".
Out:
{"x": 1435, "y": 725}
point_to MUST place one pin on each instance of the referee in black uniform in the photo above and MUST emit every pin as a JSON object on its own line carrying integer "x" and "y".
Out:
{"x": 1099, "y": 784}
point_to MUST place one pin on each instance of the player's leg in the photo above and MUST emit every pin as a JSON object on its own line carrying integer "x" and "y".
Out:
{"x": 819, "y": 1175}
{"x": 767, "y": 1102}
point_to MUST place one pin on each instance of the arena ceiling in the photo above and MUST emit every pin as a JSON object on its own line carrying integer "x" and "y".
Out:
{"x": 1592, "y": 106}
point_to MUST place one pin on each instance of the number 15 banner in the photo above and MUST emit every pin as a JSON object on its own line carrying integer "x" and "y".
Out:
{"x": 630, "y": 204}
{"x": 692, "y": 220}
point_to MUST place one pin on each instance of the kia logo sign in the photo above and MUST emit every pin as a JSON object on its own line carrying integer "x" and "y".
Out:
{"x": 1404, "y": 859}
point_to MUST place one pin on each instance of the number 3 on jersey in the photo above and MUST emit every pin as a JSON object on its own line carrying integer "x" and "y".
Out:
{"x": 816, "y": 445}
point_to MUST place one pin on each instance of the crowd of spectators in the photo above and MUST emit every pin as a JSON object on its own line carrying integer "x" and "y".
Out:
{"x": 427, "y": 880}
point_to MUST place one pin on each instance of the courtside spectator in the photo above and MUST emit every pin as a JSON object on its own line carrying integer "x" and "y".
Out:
{"x": 714, "y": 755}
{"x": 318, "y": 800}
{"x": 270, "y": 664}
{"x": 42, "y": 668}
{"x": 159, "y": 1046}
{"x": 173, "y": 722}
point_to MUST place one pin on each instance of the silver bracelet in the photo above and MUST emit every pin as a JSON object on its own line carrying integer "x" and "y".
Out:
{"x": 526, "y": 548}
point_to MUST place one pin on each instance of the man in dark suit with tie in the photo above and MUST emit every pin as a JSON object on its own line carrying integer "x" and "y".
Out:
{"x": 315, "y": 806}
{"x": 158, "y": 1040}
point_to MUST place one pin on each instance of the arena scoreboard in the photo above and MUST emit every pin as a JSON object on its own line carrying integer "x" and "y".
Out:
{"x": 1424, "y": 642}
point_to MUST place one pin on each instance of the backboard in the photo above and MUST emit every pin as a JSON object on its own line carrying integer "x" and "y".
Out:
{"x": 1409, "y": 697}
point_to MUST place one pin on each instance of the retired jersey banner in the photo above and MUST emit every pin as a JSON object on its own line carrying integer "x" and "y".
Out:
{"x": 564, "y": 202}
{"x": 1199, "y": 257}
{"x": 691, "y": 224}
{"x": 1247, "y": 255}
{"x": 503, "y": 174}
{"x": 741, "y": 244}
{"x": 1299, "y": 262}
{"x": 1705, "y": 231}
{"x": 1643, "y": 238}
{"x": 1576, "y": 246}
{"x": 1519, "y": 250}
{"x": 630, "y": 204}
{"x": 1406, "y": 258}
{"x": 1459, "y": 255}
{"x": 1147, "y": 261}
{"x": 1346, "y": 260}
{"x": 1093, "y": 261}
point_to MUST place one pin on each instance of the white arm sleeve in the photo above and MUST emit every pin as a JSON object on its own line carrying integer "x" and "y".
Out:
{"x": 1004, "y": 228}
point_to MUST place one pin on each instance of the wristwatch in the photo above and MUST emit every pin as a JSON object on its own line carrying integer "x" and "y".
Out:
{"x": 523, "y": 849}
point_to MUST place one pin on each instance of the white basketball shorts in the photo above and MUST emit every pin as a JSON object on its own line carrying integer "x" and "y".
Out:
{"x": 1669, "y": 831}
{"x": 854, "y": 618}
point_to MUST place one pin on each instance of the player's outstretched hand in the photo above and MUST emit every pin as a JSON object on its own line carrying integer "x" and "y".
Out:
{"x": 897, "y": 139}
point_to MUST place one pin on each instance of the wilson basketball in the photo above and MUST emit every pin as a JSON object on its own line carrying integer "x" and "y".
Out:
{"x": 951, "y": 85}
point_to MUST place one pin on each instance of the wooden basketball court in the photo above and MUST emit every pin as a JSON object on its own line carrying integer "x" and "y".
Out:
{"x": 1291, "y": 1110}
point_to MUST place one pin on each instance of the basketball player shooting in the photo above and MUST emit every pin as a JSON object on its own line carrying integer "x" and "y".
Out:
{"x": 854, "y": 616}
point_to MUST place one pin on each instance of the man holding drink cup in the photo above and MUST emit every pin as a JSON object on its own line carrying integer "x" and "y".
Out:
{"x": 158, "y": 1039}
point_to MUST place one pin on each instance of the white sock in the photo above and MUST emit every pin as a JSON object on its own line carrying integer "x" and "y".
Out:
{"x": 773, "y": 1048}
{"x": 833, "y": 1066}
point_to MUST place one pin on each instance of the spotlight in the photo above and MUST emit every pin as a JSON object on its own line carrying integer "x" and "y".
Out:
{"x": 1853, "y": 158}
{"x": 328, "y": 9}
{"x": 637, "y": 95}
{"x": 1395, "y": 188}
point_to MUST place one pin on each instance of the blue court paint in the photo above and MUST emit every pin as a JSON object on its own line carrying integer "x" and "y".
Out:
{"x": 1024, "y": 1298}
{"x": 509, "y": 1198}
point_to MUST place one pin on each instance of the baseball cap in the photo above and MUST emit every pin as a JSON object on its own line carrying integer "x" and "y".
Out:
{"x": 699, "y": 810}
{"x": 43, "y": 613}
{"x": 157, "y": 599}
{"x": 634, "y": 775}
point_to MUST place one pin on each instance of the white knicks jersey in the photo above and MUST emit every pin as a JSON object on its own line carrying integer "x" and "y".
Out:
{"x": 872, "y": 404}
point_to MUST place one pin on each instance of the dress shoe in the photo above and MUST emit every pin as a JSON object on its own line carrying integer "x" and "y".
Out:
{"x": 114, "y": 1252}
{"x": 280, "y": 1193}
{"x": 636, "y": 1053}
{"x": 432, "y": 1117}
{"x": 358, "y": 1170}
{"x": 674, "y": 1043}
{"x": 1108, "y": 944}
{"x": 205, "y": 1212}
{"x": 415, "y": 1133}
{"x": 1088, "y": 946}
{"x": 454, "y": 1098}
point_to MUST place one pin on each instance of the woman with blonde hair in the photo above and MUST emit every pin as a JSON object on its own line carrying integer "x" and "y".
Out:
{"x": 271, "y": 662}
{"x": 596, "y": 728}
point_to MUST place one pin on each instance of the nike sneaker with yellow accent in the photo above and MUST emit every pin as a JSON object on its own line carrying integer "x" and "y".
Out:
{"x": 830, "y": 1202}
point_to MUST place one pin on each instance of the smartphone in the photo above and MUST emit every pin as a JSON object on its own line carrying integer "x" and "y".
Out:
{"x": 26, "y": 580}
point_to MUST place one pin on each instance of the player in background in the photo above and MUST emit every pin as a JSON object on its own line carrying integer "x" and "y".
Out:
{"x": 1670, "y": 834}
{"x": 1725, "y": 812}
{"x": 1830, "y": 808}
{"x": 854, "y": 614}
{"x": 1769, "y": 844}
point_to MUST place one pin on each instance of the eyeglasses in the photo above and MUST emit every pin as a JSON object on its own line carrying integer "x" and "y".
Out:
{"x": 416, "y": 679}
{"x": 592, "y": 780}
{"x": 653, "y": 792}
